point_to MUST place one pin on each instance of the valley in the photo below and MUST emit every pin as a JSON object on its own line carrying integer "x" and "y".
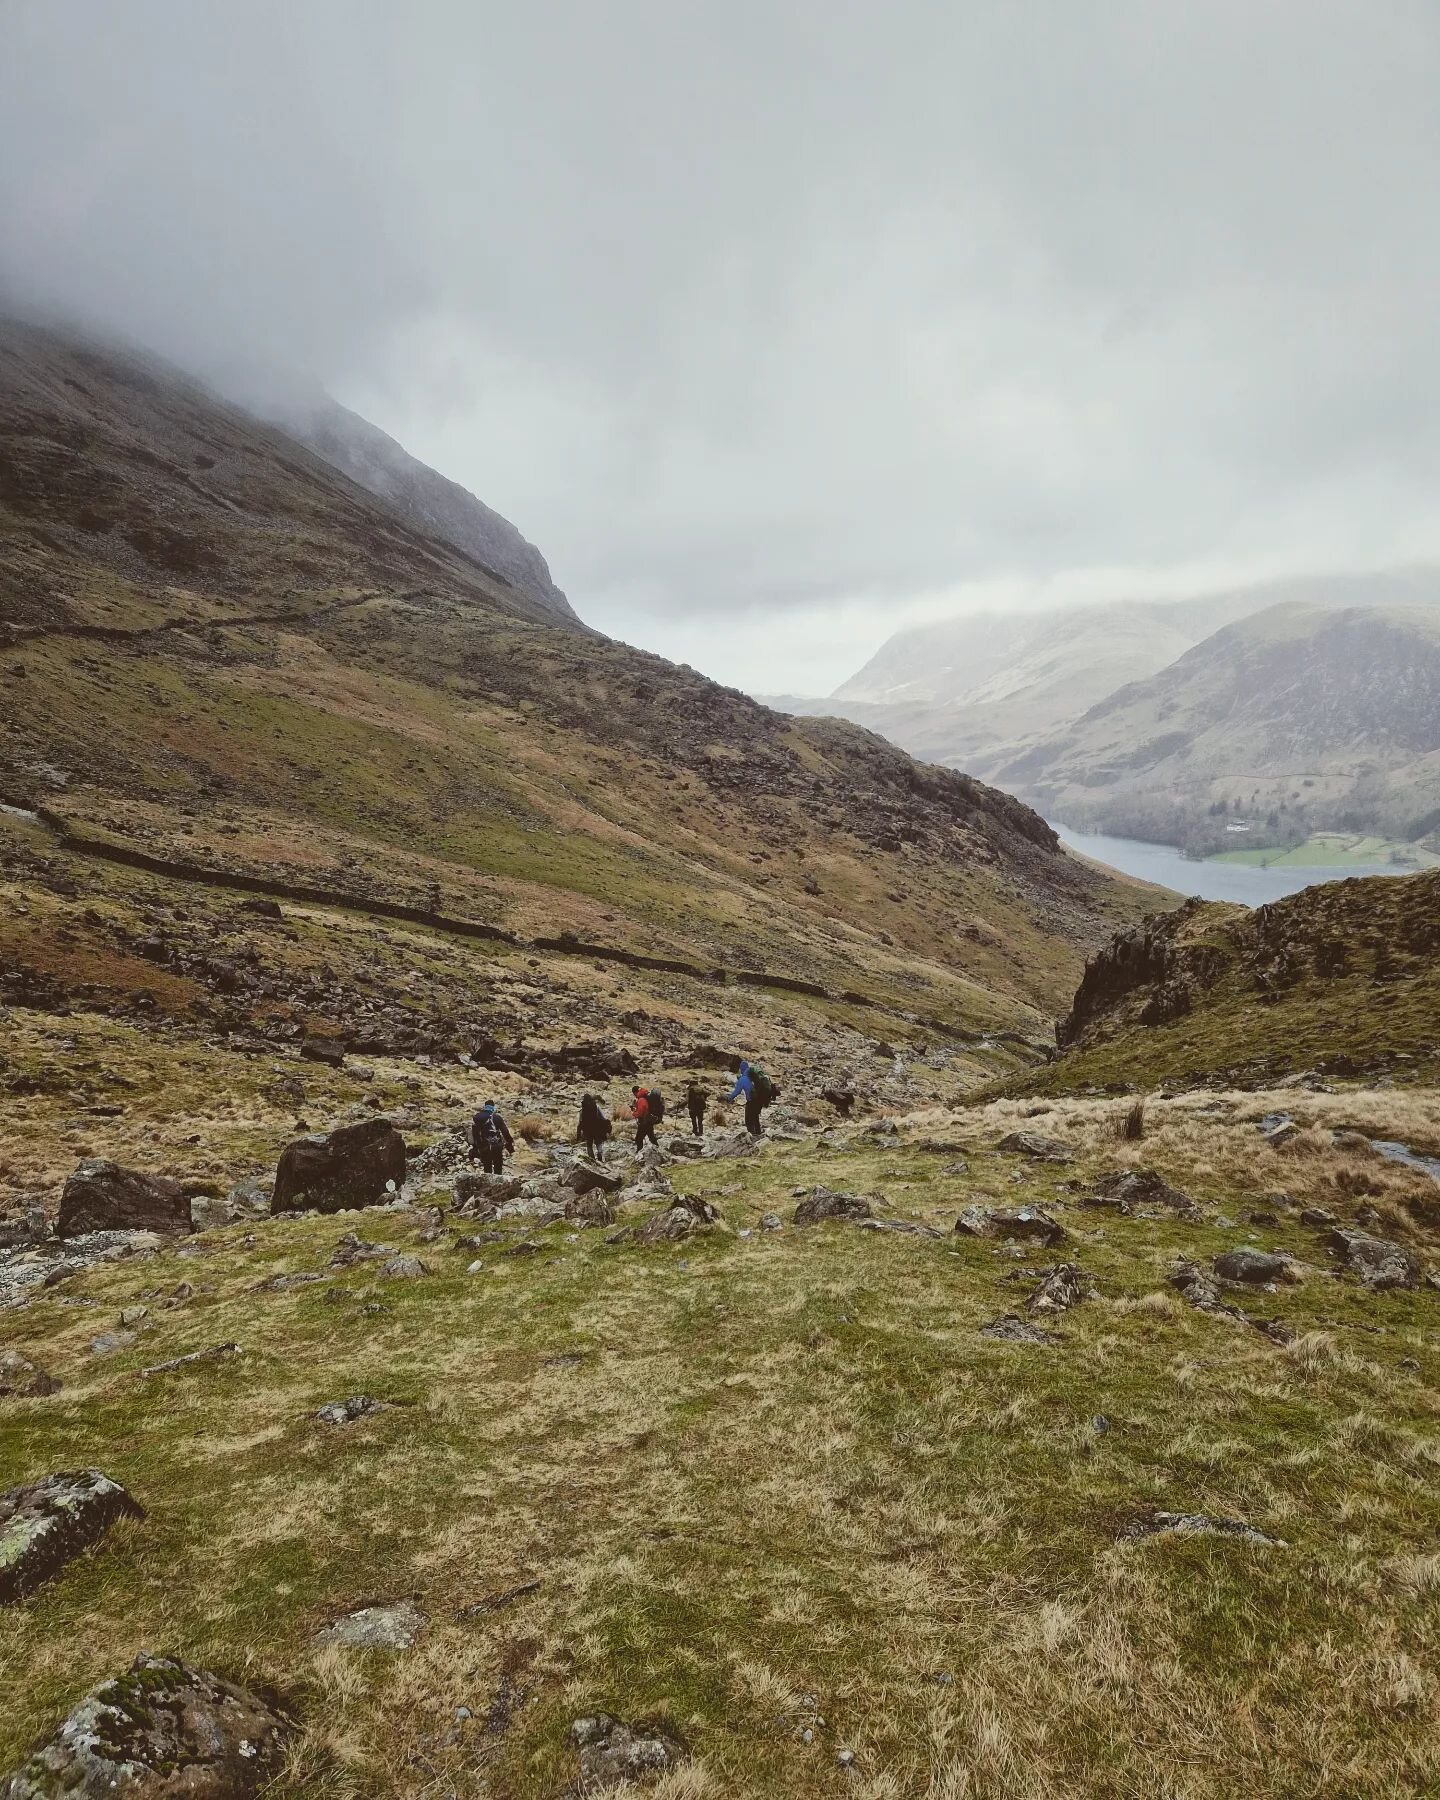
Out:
{"x": 1043, "y": 1403}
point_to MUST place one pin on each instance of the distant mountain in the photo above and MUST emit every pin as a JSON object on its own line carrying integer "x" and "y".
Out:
{"x": 1296, "y": 720}
{"x": 976, "y": 692}
{"x": 425, "y": 499}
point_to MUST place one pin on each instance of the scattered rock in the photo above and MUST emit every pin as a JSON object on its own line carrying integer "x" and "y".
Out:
{"x": 1377, "y": 1261}
{"x": 355, "y": 1165}
{"x": 216, "y": 1353}
{"x": 161, "y": 1731}
{"x": 1010, "y": 1328}
{"x": 1317, "y": 1215}
{"x": 403, "y": 1268}
{"x": 101, "y": 1196}
{"x": 478, "y": 1195}
{"x": 1028, "y": 1222}
{"x": 108, "y": 1342}
{"x": 21, "y": 1380}
{"x": 1063, "y": 1287}
{"x": 1128, "y": 1189}
{"x": 323, "y": 1050}
{"x": 770, "y": 1221}
{"x": 1036, "y": 1146}
{"x": 1155, "y": 1524}
{"x": 842, "y": 1099}
{"x": 343, "y": 1412}
{"x": 908, "y": 1227}
{"x": 48, "y": 1523}
{"x": 1254, "y": 1268}
{"x": 396, "y": 1627}
{"x": 612, "y": 1753}
{"x": 591, "y": 1208}
{"x": 353, "y": 1249}
{"x": 281, "y": 1284}
{"x": 585, "y": 1176}
{"x": 825, "y": 1203}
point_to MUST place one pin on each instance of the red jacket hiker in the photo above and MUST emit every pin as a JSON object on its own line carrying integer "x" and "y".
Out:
{"x": 640, "y": 1113}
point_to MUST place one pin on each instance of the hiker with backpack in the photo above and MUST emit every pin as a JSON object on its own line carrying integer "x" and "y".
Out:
{"x": 644, "y": 1116}
{"x": 490, "y": 1139}
{"x": 593, "y": 1130}
{"x": 758, "y": 1091}
{"x": 696, "y": 1100}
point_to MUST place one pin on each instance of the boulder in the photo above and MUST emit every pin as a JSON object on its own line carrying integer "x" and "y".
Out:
{"x": 613, "y": 1753}
{"x": 1377, "y": 1261}
{"x": 48, "y": 1523}
{"x": 324, "y": 1050}
{"x": 824, "y": 1203}
{"x": 1036, "y": 1146}
{"x": 101, "y": 1196}
{"x": 162, "y": 1731}
{"x": 356, "y": 1165}
{"x": 974, "y": 1221}
{"x": 585, "y": 1176}
{"x": 842, "y": 1099}
{"x": 21, "y": 1380}
{"x": 1255, "y": 1268}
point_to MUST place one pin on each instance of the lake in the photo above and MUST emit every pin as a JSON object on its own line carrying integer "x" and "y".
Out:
{"x": 1164, "y": 864}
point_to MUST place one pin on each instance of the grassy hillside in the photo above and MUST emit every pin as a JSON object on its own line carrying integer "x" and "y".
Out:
{"x": 223, "y": 652}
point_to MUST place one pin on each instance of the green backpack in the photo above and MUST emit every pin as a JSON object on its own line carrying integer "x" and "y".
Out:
{"x": 762, "y": 1086}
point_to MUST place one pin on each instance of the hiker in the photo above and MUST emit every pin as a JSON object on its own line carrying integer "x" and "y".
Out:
{"x": 640, "y": 1113}
{"x": 757, "y": 1090}
{"x": 696, "y": 1099}
{"x": 593, "y": 1130}
{"x": 490, "y": 1139}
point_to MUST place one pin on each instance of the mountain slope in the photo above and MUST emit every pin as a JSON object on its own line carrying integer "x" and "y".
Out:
{"x": 1343, "y": 978}
{"x": 426, "y": 499}
{"x": 977, "y": 692}
{"x": 1295, "y": 720}
{"x": 225, "y": 652}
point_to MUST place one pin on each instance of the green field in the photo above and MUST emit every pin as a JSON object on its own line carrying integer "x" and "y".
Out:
{"x": 1333, "y": 850}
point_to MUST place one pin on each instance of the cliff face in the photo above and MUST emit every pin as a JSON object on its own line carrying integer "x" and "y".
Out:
{"x": 428, "y": 500}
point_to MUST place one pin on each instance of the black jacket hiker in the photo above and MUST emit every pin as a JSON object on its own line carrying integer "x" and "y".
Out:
{"x": 490, "y": 1139}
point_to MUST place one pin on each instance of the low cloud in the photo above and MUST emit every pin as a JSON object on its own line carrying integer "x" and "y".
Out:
{"x": 770, "y": 323}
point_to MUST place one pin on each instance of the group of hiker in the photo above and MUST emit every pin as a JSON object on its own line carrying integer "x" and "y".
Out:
{"x": 491, "y": 1142}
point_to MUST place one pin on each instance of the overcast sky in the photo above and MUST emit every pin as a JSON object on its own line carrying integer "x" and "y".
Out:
{"x": 778, "y": 324}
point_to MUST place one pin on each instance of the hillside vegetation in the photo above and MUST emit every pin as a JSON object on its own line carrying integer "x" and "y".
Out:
{"x": 971, "y": 1432}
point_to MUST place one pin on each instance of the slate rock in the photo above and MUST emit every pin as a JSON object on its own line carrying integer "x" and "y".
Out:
{"x": 323, "y": 1050}
{"x": 1063, "y": 1287}
{"x": 21, "y": 1380}
{"x": 1156, "y": 1524}
{"x": 1036, "y": 1146}
{"x": 612, "y": 1752}
{"x": 591, "y": 1208}
{"x": 585, "y": 1176}
{"x": 824, "y": 1203}
{"x": 403, "y": 1268}
{"x": 162, "y": 1731}
{"x": 1255, "y": 1268}
{"x": 354, "y": 1165}
{"x": 101, "y": 1196}
{"x": 344, "y": 1412}
{"x": 352, "y": 1249}
{"x": 1377, "y": 1261}
{"x": 1010, "y": 1328}
{"x": 1129, "y": 1188}
{"x": 396, "y": 1627}
{"x": 47, "y": 1523}
{"x": 1028, "y": 1222}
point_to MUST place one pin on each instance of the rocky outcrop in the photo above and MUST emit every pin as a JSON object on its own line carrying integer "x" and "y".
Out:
{"x": 101, "y": 1196}
{"x": 1036, "y": 1146}
{"x": 161, "y": 1731}
{"x": 48, "y": 1523}
{"x": 1147, "y": 975}
{"x": 356, "y": 1165}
